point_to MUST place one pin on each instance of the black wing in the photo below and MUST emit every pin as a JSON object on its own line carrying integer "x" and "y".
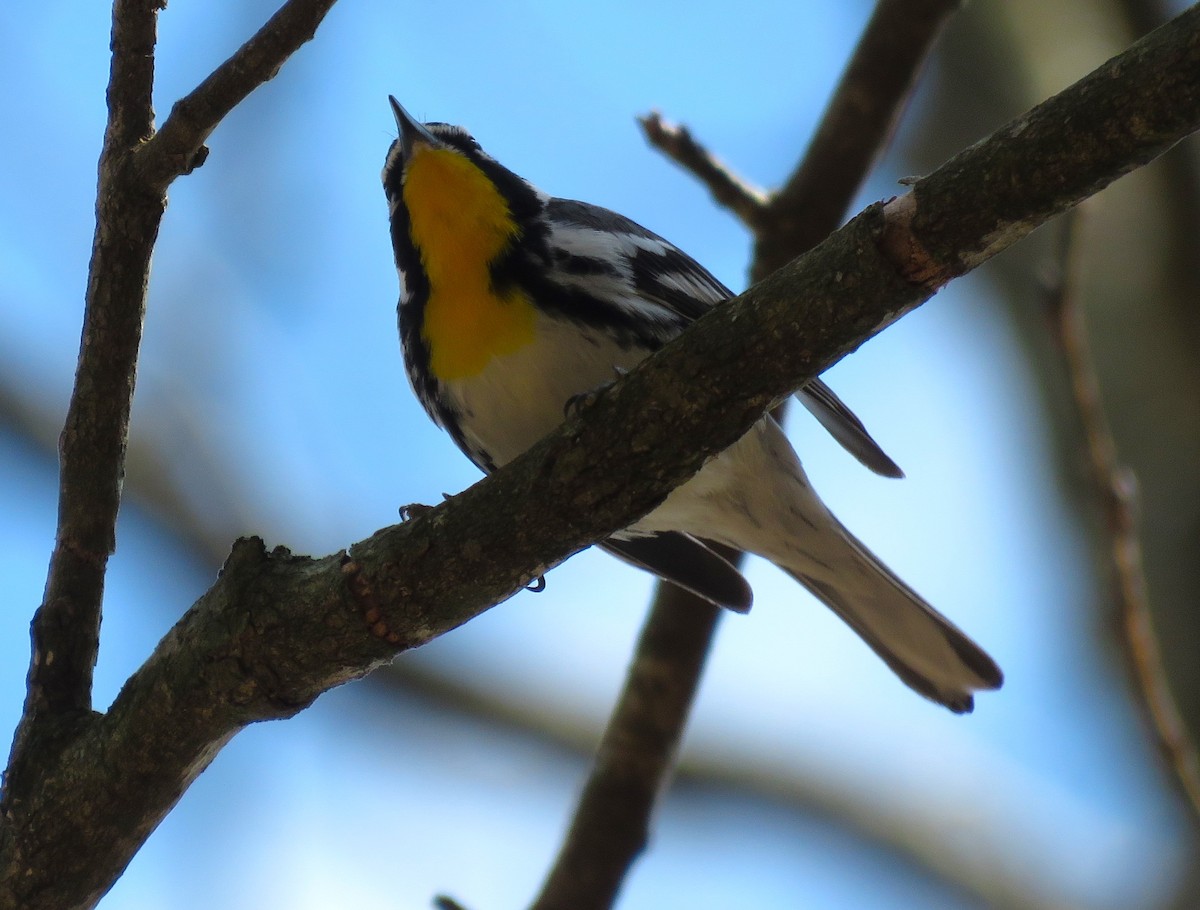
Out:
{"x": 664, "y": 276}
{"x": 844, "y": 426}
{"x": 683, "y": 560}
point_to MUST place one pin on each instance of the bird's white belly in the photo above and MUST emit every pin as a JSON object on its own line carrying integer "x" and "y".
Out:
{"x": 519, "y": 398}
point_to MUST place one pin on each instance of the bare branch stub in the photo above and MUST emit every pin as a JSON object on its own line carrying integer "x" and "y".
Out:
{"x": 731, "y": 191}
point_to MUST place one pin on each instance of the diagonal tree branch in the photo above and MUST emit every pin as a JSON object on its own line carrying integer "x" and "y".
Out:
{"x": 275, "y": 630}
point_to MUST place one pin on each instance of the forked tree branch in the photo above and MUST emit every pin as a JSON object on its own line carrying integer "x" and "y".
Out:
{"x": 275, "y": 630}
{"x": 136, "y": 166}
{"x": 637, "y": 751}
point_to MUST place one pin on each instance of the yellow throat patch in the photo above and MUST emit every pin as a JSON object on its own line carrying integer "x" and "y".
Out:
{"x": 460, "y": 223}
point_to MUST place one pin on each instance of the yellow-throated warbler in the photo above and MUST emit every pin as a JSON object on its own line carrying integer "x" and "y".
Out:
{"x": 512, "y": 302}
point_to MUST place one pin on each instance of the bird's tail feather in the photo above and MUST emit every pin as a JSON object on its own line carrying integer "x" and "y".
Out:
{"x": 756, "y": 497}
{"x": 927, "y": 651}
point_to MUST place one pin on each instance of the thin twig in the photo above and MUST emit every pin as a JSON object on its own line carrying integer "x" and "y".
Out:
{"x": 604, "y": 841}
{"x": 1116, "y": 491}
{"x": 128, "y": 211}
{"x": 732, "y": 192}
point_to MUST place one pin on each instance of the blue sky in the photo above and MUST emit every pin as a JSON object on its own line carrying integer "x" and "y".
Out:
{"x": 272, "y": 399}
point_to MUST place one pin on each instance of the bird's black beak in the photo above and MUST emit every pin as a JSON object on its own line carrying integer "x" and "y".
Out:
{"x": 411, "y": 130}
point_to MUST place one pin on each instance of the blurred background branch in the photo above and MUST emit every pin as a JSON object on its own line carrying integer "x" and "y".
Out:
{"x": 1116, "y": 493}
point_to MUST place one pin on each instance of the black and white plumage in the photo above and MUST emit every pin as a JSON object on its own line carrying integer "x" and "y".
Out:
{"x": 572, "y": 292}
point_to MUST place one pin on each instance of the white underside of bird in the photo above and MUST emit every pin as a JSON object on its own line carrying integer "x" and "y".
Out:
{"x": 755, "y": 496}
